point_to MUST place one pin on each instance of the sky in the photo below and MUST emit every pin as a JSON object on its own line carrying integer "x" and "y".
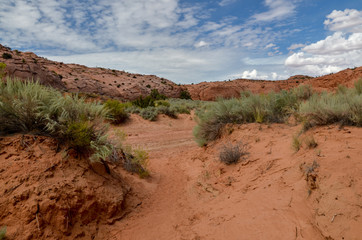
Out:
{"x": 191, "y": 41}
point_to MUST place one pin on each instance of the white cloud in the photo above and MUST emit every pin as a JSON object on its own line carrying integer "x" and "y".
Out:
{"x": 336, "y": 44}
{"x": 179, "y": 65}
{"x": 349, "y": 20}
{"x": 296, "y": 46}
{"x": 226, "y": 2}
{"x": 258, "y": 75}
{"x": 201, "y": 44}
{"x": 278, "y": 9}
{"x": 253, "y": 74}
{"x": 250, "y": 74}
{"x": 337, "y": 51}
{"x": 270, "y": 45}
{"x": 274, "y": 76}
{"x": 164, "y": 37}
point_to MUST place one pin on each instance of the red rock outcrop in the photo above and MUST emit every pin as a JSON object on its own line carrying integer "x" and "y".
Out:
{"x": 227, "y": 89}
{"x": 81, "y": 79}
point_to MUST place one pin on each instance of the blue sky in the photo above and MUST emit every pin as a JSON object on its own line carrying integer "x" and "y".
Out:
{"x": 191, "y": 41}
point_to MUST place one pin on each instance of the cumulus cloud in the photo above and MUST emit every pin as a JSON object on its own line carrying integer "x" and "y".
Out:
{"x": 250, "y": 74}
{"x": 349, "y": 20}
{"x": 340, "y": 50}
{"x": 336, "y": 44}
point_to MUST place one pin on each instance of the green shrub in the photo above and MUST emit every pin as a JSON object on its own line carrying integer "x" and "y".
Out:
{"x": 7, "y": 56}
{"x": 80, "y": 135}
{"x": 185, "y": 94}
{"x": 329, "y": 108}
{"x": 358, "y": 86}
{"x": 312, "y": 109}
{"x": 30, "y": 107}
{"x": 341, "y": 89}
{"x": 149, "y": 113}
{"x": 231, "y": 154}
{"x": 156, "y": 95}
{"x": 164, "y": 103}
{"x": 133, "y": 109}
{"x": 303, "y": 92}
{"x": 274, "y": 107}
{"x": 168, "y": 111}
{"x": 144, "y": 102}
{"x": 116, "y": 111}
{"x": 2, "y": 70}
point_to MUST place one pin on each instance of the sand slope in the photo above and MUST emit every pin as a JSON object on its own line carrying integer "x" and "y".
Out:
{"x": 271, "y": 195}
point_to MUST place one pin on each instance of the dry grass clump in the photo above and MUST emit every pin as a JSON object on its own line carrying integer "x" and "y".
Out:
{"x": 231, "y": 154}
{"x": 310, "y": 142}
{"x": 3, "y": 233}
{"x": 296, "y": 143}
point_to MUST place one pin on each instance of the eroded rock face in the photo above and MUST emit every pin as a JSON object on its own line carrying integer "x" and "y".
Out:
{"x": 46, "y": 196}
{"x": 81, "y": 79}
{"x": 29, "y": 66}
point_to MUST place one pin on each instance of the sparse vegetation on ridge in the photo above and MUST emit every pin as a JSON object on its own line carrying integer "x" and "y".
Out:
{"x": 311, "y": 108}
{"x": 28, "y": 107}
{"x": 344, "y": 107}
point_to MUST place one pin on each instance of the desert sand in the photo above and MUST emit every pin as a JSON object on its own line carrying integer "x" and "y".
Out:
{"x": 190, "y": 194}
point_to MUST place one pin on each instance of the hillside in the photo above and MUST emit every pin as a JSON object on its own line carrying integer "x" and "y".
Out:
{"x": 82, "y": 79}
{"x": 128, "y": 86}
{"x": 227, "y": 89}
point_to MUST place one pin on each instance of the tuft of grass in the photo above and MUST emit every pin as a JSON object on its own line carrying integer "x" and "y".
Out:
{"x": 133, "y": 160}
{"x": 296, "y": 143}
{"x": 310, "y": 142}
{"x": 232, "y": 154}
{"x": 3, "y": 233}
